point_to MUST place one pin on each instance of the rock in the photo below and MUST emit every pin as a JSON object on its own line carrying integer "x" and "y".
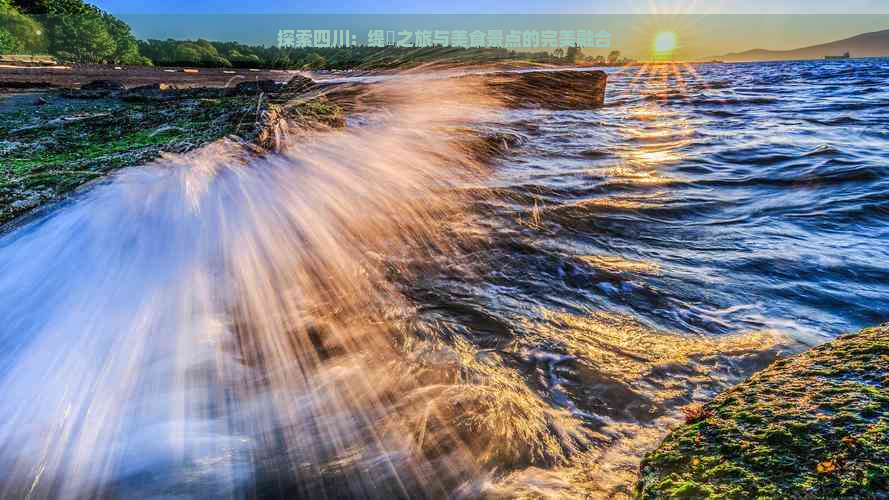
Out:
{"x": 494, "y": 143}
{"x": 153, "y": 87}
{"x": 812, "y": 426}
{"x": 566, "y": 89}
{"x": 173, "y": 120}
{"x": 257, "y": 86}
{"x": 298, "y": 84}
{"x": 96, "y": 89}
{"x": 151, "y": 92}
{"x": 270, "y": 122}
{"x": 13, "y": 84}
{"x": 104, "y": 85}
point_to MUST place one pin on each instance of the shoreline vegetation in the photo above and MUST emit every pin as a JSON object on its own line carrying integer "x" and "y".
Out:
{"x": 814, "y": 425}
{"x": 72, "y": 31}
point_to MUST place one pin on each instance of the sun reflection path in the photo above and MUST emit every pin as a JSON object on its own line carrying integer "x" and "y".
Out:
{"x": 656, "y": 135}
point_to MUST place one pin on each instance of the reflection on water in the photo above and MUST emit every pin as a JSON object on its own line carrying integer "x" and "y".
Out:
{"x": 647, "y": 254}
{"x": 617, "y": 264}
{"x": 372, "y": 313}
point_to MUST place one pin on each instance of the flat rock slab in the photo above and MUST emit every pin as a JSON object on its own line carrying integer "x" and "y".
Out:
{"x": 132, "y": 76}
{"x": 566, "y": 89}
{"x": 812, "y": 426}
{"x": 552, "y": 89}
{"x": 109, "y": 85}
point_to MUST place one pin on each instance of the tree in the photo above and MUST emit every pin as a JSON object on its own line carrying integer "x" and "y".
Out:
{"x": 613, "y": 56}
{"x": 126, "y": 48}
{"x": 573, "y": 53}
{"x": 136, "y": 60}
{"x": 244, "y": 60}
{"x": 19, "y": 33}
{"x": 314, "y": 61}
{"x": 8, "y": 44}
{"x": 85, "y": 36}
{"x": 80, "y": 31}
{"x": 43, "y": 7}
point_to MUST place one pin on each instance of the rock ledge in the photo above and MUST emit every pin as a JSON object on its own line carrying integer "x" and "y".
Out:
{"x": 814, "y": 425}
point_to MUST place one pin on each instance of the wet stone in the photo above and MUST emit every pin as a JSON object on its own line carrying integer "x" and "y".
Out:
{"x": 815, "y": 425}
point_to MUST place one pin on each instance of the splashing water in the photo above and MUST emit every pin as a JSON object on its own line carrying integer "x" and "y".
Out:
{"x": 226, "y": 325}
{"x": 218, "y": 310}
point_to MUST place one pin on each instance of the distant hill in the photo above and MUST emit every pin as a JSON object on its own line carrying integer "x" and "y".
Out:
{"x": 875, "y": 44}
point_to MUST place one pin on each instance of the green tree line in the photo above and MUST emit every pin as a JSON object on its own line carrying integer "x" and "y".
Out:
{"x": 233, "y": 54}
{"x": 70, "y": 30}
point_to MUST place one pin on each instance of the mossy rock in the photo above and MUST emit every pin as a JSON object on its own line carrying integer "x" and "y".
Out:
{"x": 49, "y": 151}
{"x": 812, "y": 426}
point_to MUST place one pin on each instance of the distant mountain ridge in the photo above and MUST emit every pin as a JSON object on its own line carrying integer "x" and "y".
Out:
{"x": 874, "y": 44}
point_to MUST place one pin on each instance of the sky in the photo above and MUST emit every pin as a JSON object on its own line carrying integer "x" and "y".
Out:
{"x": 494, "y": 7}
{"x": 704, "y": 29}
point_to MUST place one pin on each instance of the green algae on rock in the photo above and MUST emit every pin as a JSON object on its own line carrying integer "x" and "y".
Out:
{"x": 55, "y": 142}
{"x": 811, "y": 426}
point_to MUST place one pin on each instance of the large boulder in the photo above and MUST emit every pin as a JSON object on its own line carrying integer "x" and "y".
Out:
{"x": 254, "y": 87}
{"x": 812, "y": 426}
{"x": 96, "y": 89}
{"x": 557, "y": 89}
{"x": 104, "y": 85}
{"x": 298, "y": 84}
{"x": 151, "y": 93}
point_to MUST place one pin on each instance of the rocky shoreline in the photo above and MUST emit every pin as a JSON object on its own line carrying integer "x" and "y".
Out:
{"x": 57, "y": 140}
{"x": 815, "y": 425}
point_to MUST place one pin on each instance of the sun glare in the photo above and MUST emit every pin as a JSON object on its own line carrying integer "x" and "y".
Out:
{"x": 664, "y": 42}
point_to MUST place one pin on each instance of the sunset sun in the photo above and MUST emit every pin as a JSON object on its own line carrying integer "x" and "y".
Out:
{"x": 664, "y": 42}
